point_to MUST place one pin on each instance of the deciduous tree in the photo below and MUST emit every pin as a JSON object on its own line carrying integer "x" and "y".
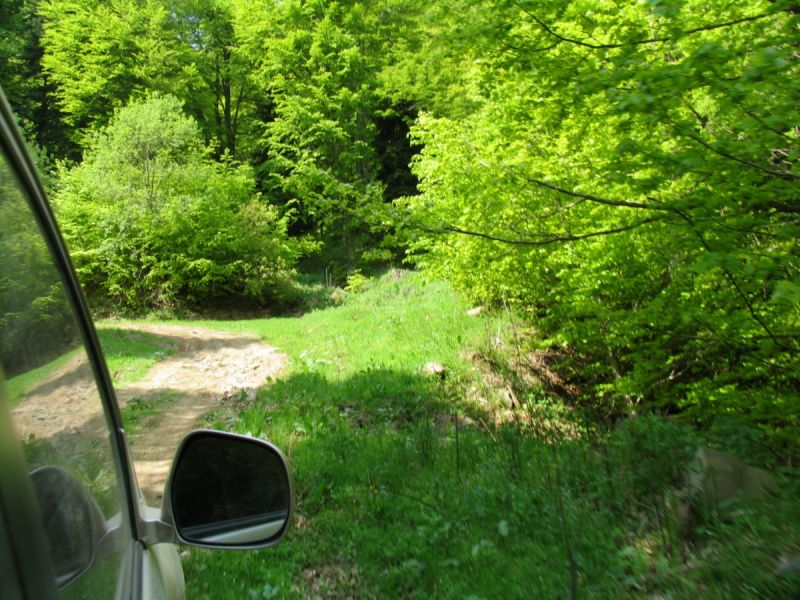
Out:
{"x": 153, "y": 221}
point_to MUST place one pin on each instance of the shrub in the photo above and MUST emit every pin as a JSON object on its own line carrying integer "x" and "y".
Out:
{"x": 153, "y": 222}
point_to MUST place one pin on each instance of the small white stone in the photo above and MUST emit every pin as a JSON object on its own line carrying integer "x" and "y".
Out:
{"x": 434, "y": 368}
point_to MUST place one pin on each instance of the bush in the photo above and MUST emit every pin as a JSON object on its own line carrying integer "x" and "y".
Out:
{"x": 35, "y": 320}
{"x": 153, "y": 222}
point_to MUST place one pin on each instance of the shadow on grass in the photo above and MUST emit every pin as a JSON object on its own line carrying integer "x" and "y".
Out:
{"x": 393, "y": 498}
{"x": 304, "y": 294}
{"x": 118, "y": 343}
{"x": 394, "y": 502}
{"x": 375, "y": 396}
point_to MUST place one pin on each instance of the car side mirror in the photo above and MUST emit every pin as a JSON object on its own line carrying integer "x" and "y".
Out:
{"x": 73, "y": 523}
{"x": 229, "y": 491}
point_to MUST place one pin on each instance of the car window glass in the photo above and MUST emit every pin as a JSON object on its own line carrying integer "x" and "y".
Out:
{"x": 57, "y": 411}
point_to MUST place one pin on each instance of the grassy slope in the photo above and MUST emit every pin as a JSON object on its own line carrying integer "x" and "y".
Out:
{"x": 400, "y": 322}
{"x": 23, "y": 383}
{"x": 130, "y": 354}
{"x": 395, "y": 501}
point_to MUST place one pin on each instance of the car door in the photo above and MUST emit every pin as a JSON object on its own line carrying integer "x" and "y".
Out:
{"x": 73, "y": 523}
{"x": 68, "y": 501}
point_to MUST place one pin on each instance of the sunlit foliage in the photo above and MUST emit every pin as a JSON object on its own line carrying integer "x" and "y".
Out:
{"x": 151, "y": 220}
{"x": 630, "y": 177}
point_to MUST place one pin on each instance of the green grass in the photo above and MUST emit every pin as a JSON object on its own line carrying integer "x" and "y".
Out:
{"x": 24, "y": 383}
{"x": 396, "y": 501}
{"x": 399, "y": 323}
{"x": 138, "y": 412}
{"x": 129, "y": 355}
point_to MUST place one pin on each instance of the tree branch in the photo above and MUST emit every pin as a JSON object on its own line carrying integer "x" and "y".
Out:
{"x": 549, "y": 238}
{"x": 761, "y": 122}
{"x": 597, "y": 199}
{"x": 655, "y": 40}
{"x": 780, "y": 174}
{"x": 735, "y": 284}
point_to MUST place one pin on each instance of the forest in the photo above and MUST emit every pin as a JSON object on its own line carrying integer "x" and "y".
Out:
{"x": 623, "y": 175}
{"x": 617, "y": 181}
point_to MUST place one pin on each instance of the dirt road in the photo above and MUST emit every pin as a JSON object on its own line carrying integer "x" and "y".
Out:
{"x": 205, "y": 368}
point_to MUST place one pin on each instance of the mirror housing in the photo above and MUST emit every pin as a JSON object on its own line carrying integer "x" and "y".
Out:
{"x": 73, "y": 523}
{"x": 228, "y": 491}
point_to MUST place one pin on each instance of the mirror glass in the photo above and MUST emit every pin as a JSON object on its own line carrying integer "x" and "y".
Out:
{"x": 67, "y": 512}
{"x": 229, "y": 490}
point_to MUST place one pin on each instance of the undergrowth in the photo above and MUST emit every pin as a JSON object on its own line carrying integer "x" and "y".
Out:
{"x": 416, "y": 486}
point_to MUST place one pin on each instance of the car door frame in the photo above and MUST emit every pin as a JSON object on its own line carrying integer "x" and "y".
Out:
{"x": 17, "y": 505}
